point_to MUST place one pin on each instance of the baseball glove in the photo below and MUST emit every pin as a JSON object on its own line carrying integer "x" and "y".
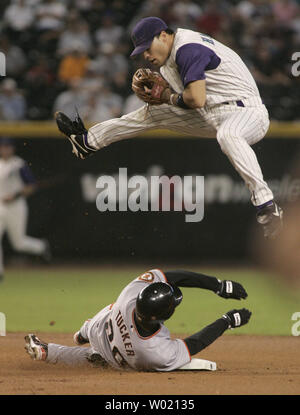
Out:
{"x": 150, "y": 86}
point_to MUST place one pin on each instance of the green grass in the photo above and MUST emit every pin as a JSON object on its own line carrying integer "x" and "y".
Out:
{"x": 31, "y": 299}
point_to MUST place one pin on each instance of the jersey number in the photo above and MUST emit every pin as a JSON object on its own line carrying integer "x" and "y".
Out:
{"x": 207, "y": 38}
{"x": 115, "y": 351}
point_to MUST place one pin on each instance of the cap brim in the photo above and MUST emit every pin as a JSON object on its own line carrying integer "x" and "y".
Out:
{"x": 141, "y": 48}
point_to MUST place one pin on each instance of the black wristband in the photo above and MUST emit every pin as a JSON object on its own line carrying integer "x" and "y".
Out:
{"x": 180, "y": 103}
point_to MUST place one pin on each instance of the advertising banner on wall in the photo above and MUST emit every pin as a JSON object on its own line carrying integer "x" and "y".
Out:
{"x": 150, "y": 198}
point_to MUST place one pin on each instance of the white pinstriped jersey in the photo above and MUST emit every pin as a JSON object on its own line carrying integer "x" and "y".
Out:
{"x": 233, "y": 113}
{"x": 113, "y": 334}
{"x": 230, "y": 80}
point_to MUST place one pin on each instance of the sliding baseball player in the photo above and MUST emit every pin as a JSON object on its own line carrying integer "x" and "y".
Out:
{"x": 16, "y": 184}
{"x": 203, "y": 89}
{"x": 130, "y": 333}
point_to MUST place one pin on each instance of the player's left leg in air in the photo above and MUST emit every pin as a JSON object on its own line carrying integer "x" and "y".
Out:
{"x": 236, "y": 137}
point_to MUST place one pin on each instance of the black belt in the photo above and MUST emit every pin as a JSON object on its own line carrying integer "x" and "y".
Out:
{"x": 239, "y": 103}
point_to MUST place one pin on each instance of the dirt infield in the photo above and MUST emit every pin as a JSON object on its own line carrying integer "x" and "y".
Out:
{"x": 246, "y": 365}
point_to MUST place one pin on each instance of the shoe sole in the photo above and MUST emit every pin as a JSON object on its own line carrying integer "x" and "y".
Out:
{"x": 32, "y": 348}
{"x": 75, "y": 150}
{"x": 28, "y": 347}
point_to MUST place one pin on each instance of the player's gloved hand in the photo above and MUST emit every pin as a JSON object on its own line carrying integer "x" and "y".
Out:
{"x": 231, "y": 289}
{"x": 150, "y": 87}
{"x": 237, "y": 318}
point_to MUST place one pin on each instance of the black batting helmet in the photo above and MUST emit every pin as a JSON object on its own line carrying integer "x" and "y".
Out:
{"x": 157, "y": 302}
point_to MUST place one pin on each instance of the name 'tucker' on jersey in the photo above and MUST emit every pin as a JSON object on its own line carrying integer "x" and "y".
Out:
{"x": 196, "y": 56}
{"x": 113, "y": 334}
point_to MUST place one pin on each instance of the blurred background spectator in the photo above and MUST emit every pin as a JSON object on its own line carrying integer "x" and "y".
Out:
{"x": 77, "y": 32}
{"x": 132, "y": 103}
{"x": 110, "y": 62}
{"x": 18, "y": 18}
{"x": 16, "y": 60}
{"x": 12, "y": 103}
{"x": 78, "y": 50}
{"x": 74, "y": 95}
{"x": 109, "y": 32}
{"x": 103, "y": 105}
{"x": 74, "y": 63}
{"x": 50, "y": 15}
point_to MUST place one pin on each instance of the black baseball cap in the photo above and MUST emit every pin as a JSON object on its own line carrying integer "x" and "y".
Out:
{"x": 144, "y": 32}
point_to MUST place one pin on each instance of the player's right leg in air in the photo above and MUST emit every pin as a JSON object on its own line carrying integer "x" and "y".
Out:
{"x": 86, "y": 142}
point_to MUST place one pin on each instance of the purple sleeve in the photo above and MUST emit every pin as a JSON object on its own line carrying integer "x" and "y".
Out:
{"x": 27, "y": 175}
{"x": 193, "y": 60}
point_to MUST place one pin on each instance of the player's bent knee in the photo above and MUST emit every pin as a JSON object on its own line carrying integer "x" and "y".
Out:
{"x": 265, "y": 126}
{"x": 224, "y": 142}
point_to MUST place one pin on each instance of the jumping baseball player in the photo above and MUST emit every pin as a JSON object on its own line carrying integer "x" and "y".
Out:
{"x": 130, "y": 332}
{"x": 16, "y": 183}
{"x": 203, "y": 89}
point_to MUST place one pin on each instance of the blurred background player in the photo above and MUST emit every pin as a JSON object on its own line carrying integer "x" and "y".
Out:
{"x": 130, "y": 333}
{"x": 16, "y": 184}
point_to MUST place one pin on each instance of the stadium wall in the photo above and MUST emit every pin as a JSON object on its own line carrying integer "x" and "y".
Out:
{"x": 64, "y": 210}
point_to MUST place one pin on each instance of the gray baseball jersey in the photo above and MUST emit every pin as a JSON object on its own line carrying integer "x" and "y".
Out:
{"x": 113, "y": 334}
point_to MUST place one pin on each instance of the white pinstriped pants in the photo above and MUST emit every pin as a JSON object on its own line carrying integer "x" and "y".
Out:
{"x": 236, "y": 129}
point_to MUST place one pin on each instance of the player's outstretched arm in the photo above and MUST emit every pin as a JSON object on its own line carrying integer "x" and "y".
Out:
{"x": 225, "y": 289}
{"x": 202, "y": 339}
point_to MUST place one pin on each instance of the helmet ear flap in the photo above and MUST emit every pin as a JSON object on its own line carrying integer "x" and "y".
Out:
{"x": 177, "y": 294}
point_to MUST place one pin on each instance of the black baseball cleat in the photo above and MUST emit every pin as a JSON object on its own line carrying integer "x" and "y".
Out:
{"x": 269, "y": 216}
{"x": 76, "y": 133}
